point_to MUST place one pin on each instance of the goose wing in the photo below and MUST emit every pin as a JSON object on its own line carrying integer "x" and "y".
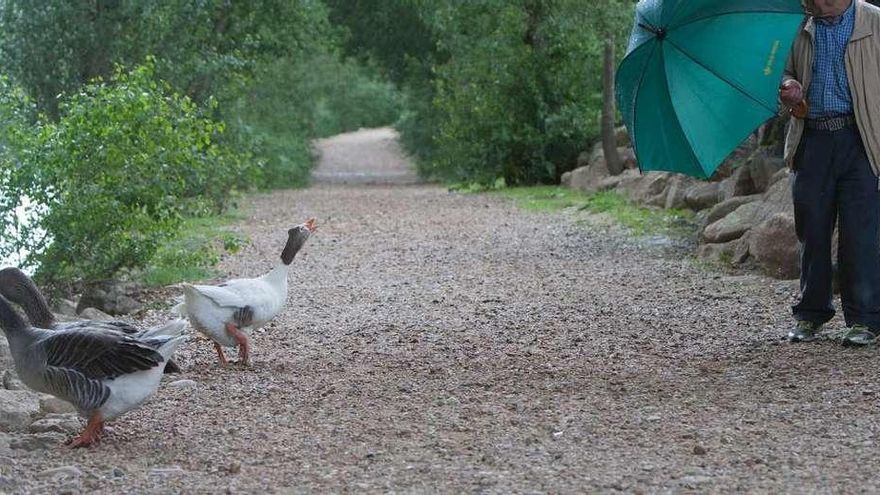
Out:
{"x": 99, "y": 353}
{"x": 222, "y": 295}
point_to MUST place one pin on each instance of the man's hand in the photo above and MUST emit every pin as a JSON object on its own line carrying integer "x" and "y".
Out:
{"x": 791, "y": 93}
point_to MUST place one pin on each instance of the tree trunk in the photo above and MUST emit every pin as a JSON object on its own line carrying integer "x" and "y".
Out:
{"x": 609, "y": 140}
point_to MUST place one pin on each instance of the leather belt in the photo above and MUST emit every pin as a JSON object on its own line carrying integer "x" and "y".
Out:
{"x": 831, "y": 123}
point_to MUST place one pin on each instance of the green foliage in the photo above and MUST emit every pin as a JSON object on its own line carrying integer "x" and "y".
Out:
{"x": 269, "y": 69}
{"x": 294, "y": 102}
{"x": 639, "y": 220}
{"x": 193, "y": 252}
{"x": 496, "y": 89}
{"x": 113, "y": 177}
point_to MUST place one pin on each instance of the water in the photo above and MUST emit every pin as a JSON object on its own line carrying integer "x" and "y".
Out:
{"x": 23, "y": 213}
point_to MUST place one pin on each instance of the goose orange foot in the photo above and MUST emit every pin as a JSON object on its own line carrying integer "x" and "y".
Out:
{"x": 91, "y": 435}
{"x": 220, "y": 354}
{"x": 242, "y": 340}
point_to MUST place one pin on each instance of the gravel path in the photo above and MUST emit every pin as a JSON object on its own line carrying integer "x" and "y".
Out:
{"x": 437, "y": 342}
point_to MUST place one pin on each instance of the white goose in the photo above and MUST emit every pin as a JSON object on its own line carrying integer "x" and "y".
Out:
{"x": 102, "y": 371}
{"x": 228, "y": 312}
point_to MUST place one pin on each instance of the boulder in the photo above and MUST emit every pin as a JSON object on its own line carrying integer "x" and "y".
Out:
{"x": 648, "y": 189}
{"x": 59, "y": 423}
{"x": 741, "y": 250}
{"x": 776, "y": 200}
{"x": 725, "y": 207}
{"x": 54, "y": 405}
{"x": 18, "y": 408}
{"x": 113, "y": 298}
{"x": 732, "y": 226}
{"x": 565, "y": 180}
{"x": 763, "y": 169}
{"x": 676, "y": 192}
{"x": 775, "y": 247}
{"x": 11, "y": 381}
{"x": 738, "y": 184}
{"x": 627, "y": 178}
{"x": 38, "y": 441}
{"x": 588, "y": 178}
{"x": 628, "y": 157}
{"x": 64, "y": 307}
{"x": 721, "y": 252}
{"x": 779, "y": 175}
{"x": 702, "y": 195}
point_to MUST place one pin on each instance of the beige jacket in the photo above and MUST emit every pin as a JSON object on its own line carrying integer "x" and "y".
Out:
{"x": 862, "y": 69}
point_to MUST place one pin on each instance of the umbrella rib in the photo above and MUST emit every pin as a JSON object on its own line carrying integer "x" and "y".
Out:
{"x": 719, "y": 76}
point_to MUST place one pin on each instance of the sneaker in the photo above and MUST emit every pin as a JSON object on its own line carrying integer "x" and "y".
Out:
{"x": 805, "y": 331}
{"x": 859, "y": 335}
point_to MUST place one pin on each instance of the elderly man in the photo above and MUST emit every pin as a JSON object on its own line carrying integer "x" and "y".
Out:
{"x": 832, "y": 86}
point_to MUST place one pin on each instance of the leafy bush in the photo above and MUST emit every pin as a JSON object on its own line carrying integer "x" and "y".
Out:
{"x": 496, "y": 89}
{"x": 112, "y": 179}
{"x": 292, "y": 102}
{"x": 193, "y": 252}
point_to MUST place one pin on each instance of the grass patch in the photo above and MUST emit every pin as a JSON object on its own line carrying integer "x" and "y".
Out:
{"x": 194, "y": 252}
{"x": 640, "y": 220}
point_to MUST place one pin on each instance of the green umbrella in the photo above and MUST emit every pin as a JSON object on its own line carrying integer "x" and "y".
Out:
{"x": 700, "y": 75}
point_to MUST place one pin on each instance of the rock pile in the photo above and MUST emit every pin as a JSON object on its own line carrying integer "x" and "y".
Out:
{"x": 744, "y": 211}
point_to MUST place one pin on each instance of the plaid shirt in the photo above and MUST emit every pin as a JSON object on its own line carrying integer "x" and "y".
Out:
{"x": 829, "y": 91}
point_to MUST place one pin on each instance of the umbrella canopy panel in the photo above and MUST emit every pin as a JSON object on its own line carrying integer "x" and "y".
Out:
{"x": 700, "y": 75}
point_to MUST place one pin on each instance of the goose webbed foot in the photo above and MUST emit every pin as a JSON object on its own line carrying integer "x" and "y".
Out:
{"x": 91, "y": 435}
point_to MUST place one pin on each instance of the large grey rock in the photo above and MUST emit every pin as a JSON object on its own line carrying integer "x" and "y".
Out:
{"x": 775, "y": 247}
{"x": 64, "y": 307}
{"x": 11, "y": 381}
{"x": 738, "y": 184}
{"x": 779, "y": 175}
{"x": 776, "y": 200}
{"x": 614, "y": 181}
{"x": 565, "y": 180}
{"x": 113, "y": 298}
{"x": 587, "y": 178}
{"x": 628, "y": 157}
{"x": 648, "y": 189}
{"x": 60, "y": 423}
{"x": 727, "y": 206}
{"x": 721, "y": 252}
{"x": 676, "y": 192}
{"x": 54, "y": 405}
{"x": 94, "y": 314}
{"x": 38, "y": 441}
{"x": 762, "y": 170}
{"x": 702, "y": 195}
{"x": 18, "y": 408}
{"x": 733, "y": 225}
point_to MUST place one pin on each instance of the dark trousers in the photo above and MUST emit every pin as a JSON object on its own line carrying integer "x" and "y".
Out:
{"x": 833, "y": 181}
